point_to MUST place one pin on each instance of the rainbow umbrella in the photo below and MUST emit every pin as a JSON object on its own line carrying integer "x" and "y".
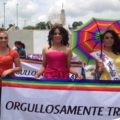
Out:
{"x": 86, "y": 39}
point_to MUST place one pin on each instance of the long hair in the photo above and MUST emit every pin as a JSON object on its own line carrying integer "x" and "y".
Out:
{"x": 116, "y": 44}
{"x": 64, "y": 33}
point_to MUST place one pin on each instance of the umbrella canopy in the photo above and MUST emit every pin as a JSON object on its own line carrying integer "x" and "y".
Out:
{"x": 87, "y": 38}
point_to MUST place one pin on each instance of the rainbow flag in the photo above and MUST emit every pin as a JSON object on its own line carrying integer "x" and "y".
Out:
{"x": 62, "y": 84}
{"x": 59, "y": 99}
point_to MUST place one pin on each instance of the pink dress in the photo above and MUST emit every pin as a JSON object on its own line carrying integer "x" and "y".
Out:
{"x": 56, "y": 65}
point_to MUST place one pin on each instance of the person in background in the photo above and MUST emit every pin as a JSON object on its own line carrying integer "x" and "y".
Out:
{"x": 96, "y": 73}
{"x": 16, "y": 43}
{"x": 111, "y": 43}
{"x": 83, "y": 73}
{"x": 20, "y": 48}
{"x": 23, "y": 53}
{"x": 57, "y": 56}
{"x": 76, "y": 59}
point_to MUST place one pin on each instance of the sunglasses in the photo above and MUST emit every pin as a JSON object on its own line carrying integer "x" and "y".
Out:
{"x": 1, "y": 38}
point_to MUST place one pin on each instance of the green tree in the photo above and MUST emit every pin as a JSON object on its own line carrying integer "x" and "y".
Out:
{"x": 11, "y": 25}
{"x": 29, "y": 27}
{"x": 48, "y": 25}
{"x": 41, "y": 25}
{"x": 76, "y": 24}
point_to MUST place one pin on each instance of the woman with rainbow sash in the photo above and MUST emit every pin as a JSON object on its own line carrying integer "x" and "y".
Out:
{"x": 110, "y": 60}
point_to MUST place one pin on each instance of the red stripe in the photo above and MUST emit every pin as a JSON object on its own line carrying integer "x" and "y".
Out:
{"x": 82, "y": 88}
{"x": 28, "y": 61}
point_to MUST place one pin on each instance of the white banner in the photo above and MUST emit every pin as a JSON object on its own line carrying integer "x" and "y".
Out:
{"x": 30, "y": 67}
{"x": 48, "y": 100}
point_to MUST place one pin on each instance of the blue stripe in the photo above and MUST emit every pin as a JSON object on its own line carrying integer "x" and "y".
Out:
{"x": 87, "y": 81}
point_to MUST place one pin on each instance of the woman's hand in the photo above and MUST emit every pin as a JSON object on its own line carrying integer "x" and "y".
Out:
{"x": 38, "y": 74}
{"x": 7, "y": 72}
{"x": 93, "y": 72}
{"x": 78, "y": 75}
{"x": 100, "y": 67}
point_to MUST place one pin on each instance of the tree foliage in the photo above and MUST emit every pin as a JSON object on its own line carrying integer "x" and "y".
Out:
{"x": 76, "y": 24}
{"x": 41, "y": 26}
{"x": 47, "y": 25}
{"x": 29, "y": 27}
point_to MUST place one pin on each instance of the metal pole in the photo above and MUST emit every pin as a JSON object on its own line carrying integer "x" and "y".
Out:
{"x": 17, "y": 14}
{"x": 4, "y": 13}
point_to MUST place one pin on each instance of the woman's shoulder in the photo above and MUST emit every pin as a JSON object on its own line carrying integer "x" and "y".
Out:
{"x": 45, "y": 49}
{"x": 13, "y": 52}
{"x": 68, "y": 49}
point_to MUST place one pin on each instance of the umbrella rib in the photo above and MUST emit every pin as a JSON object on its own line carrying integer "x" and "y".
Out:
{"x": 112, "y": 24}
{"x": 100, "y": 37}
{"x": 95, "y": 45}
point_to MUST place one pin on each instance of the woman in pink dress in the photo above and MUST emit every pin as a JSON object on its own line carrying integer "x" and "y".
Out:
{"x": 57, "y": 56}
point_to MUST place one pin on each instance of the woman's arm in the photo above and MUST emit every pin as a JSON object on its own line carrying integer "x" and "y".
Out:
{"x": 18, "y": 66}
{"x": 15, "y": 69}
{"x": 42, "y": 69}
{"x": 71, "y": 70}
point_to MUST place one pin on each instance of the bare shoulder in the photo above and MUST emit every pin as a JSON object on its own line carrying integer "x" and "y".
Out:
{"x": 45, "y": 49}
{"x": 68, "y": 50}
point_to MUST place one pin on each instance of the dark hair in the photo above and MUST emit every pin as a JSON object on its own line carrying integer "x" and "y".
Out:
{"x": 116, "y": 44}
{"x": 17, "y": 42}
{"x": 64, "y": 33}
{"x": 23, "y": 45}
{"x": 20, "y": 43}
{"x": 3, "y": 31}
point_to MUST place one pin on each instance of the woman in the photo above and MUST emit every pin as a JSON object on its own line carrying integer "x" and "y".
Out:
{"x": 110, "y": 68}
{"x": 57, "y": 57}
{"x": 8, "y": 57}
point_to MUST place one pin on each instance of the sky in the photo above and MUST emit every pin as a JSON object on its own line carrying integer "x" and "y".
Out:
{"x": 30, "y": 12}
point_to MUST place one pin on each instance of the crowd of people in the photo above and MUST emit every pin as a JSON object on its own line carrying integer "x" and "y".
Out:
{"x": 57, "y": 56}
